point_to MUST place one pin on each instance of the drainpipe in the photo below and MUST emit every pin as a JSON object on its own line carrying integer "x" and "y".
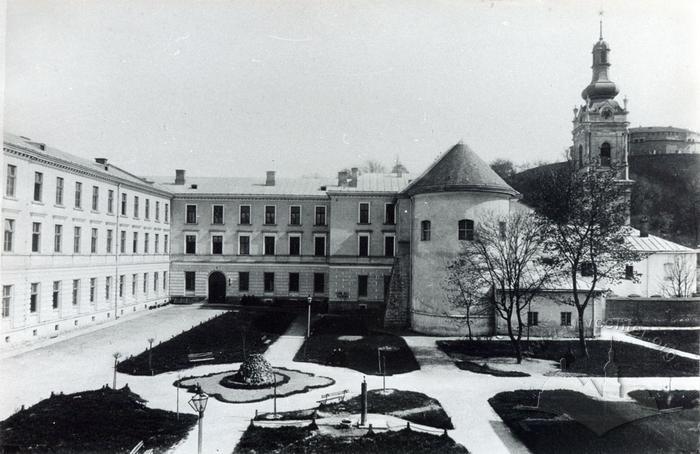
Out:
{"x": 117, "y": 245}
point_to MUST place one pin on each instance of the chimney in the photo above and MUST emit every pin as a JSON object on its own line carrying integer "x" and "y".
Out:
{"x": 270, "y": 178}
{"x": 353, "y": 177}
{"x": 343, "y": 178}
{"x": 180, "y": 176}
{"x": 102, "y": 162}
{"x": 644, "y": 227}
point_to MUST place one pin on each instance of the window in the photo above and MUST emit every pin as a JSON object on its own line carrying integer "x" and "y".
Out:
{"x": 244, "y": 245}
{"x": 191, "y": 214}
{"x": 270, "y": 214}
{"x": 56, "y": 294}
{"x": 136, "y": 206}
{"x": 155, "y": 282}
{"x": 134, "y": 279}
{"x": 293, "y": 282}
{"x": 319, "y": 245}
{"x": 157, "y": 210}
{"x": 110, "y": 201}
{"x": 122, "y": 242}
{"x": 565, "y": 318}
{"x": 425, "y": 230}
{"x": 95, "y": 198}
{"x": 465, "y": 230}
{"x": 668, "y": 271}
{"x": 78, "y": 194}
{"x": 122, "y": 278}
{"x": 587, "y": 269}
{"x": 59, "y": 191}
{"x": 295, "y": 215}
{"x": 364, "y": 213}
{"x": 39, "y": 185}
{"x": 319, "y": 282}
{"x": 76, "y": 240}
{"x": 269, "y": 245}
{"x": 294, "y": 245}
{"x": 57, "y": 238}
{"x": 580, "y": 155}
{"x": 217, "y": 244}
{"x": 362, "y": 282}
{"x": 135, "y": 243}
{"x": 36, "y": 236}
{"x": 165, "y": 280}
{"x": 6, "y": 300}
{"x": 146, "y": 238}
{"x": 389, "y": 246}
{"x": 8, "y": 243}
{"x": 244, "y": 215}
{"x": 145, "y": 283}
{"x": 502, "y": 230}
{"x": 363, "y": 245}
{"x": 147, "y": 212}
{"x": 156, "y": 242}
{"x": 629, "y": 272}
{"x": 93, "y": 242}
{"x": 269, "y": 282}
{"x": 33, "y": 296}
{"x": 217, "y": 215}
{"x": 533, "y": 318}
{"x": 189, "y": 281}
{"x": 320, "y": 216}
{"x": 605, "y": 155}
{"x": 165, "y": 244}
{"x": 190, "y": 244}
{"x": 93, "y": 286}
{"x": 389, "y": 213}
{"x": 123, "y": 204}
{"x": 166, "y": 213}
{"x": 11, "y": 182}
{"x": 243, "y": 281}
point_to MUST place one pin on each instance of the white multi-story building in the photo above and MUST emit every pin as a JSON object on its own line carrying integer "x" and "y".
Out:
{"x": 84, "y": 241}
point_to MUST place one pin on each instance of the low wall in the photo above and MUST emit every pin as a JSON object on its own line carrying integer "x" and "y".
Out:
{"x": 654, "y": 311}
{"x": 449, "y": 325}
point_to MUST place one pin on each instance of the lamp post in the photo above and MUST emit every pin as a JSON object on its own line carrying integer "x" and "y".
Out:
{"x": 150, "y": 347}
{"x": 199, "y": 404}
{"x": 116, "y": 356}
{"x": 177, "y": 397}
{"x": 308, "y": 316}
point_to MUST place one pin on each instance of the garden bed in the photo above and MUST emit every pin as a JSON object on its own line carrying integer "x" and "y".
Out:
{"x": 99, "y": 421}
{"x": 485, "y": 369}
{"x": 631, "y": 360}
{"x": 348, "y": 342}
{"x": 260, "y": 440}
{"x": 230, "y": 337}
{"x": 687, "y": 340}
{"x": 572, "y": 422}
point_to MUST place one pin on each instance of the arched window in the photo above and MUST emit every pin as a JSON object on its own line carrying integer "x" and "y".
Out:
{"x": 465, "y": 231}
{"x": 605, "y": 154}
{"x": 580, "y": 155}
{"x": 425, "y": 230}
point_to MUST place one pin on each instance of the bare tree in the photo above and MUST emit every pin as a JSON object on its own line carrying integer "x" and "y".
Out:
{"x": 464, "y": 293}
{"x": 503, "y": 258}
{"x": 373, "y": 166}
{"x": 679, "y": 277}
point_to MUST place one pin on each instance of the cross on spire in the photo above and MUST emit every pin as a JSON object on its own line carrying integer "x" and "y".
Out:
{"x": 600, "y": 13}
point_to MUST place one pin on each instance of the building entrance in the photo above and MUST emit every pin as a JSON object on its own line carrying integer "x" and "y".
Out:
{"x": 217, "y": 287}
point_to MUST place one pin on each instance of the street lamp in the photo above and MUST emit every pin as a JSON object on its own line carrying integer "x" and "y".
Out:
{"x": 116, "y": 356}
{"x": 199, "y": 404}
{"x": 150, "y": 347}
{"x": 308, "y": 316}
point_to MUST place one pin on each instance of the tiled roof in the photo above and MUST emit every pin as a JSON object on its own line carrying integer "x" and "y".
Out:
{"x": 653, "y": 243}
{"x": 459, "y": 169}
{"x": 246, "y": 186}
{"x": 376, "y": 182}
{"x": 660, "y": 129}
{"x": 71, "y": 159}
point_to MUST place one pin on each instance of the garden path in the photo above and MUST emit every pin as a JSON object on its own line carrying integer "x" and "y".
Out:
{"x": 620, "y": 335}
{"x": 289, "y": 343}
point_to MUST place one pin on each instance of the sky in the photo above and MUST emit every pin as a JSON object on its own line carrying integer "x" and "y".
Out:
{"x": 309, "y": 87}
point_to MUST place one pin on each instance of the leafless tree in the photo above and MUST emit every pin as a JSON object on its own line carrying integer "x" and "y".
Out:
{"x": 373, "y": 166}
{"x": 679, "y": 277}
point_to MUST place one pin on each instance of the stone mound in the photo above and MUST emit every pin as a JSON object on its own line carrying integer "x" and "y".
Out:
{"x": 256, "y": 371}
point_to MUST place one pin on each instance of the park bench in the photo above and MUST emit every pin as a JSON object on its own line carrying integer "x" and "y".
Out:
{"x": 330, "y": 397}
{"x": 200, "y": 357}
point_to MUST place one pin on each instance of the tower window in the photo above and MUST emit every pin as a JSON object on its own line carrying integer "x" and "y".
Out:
{"x": 425, "y": 230}
{"x": 605, "y": 154}
{"x": 465, "y": 230}
{"x": 580, "y": 155}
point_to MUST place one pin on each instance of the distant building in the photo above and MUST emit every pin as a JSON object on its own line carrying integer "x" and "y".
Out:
{"x": 652, "y": 140}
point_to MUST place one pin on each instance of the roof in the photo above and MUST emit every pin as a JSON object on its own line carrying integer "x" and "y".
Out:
{"x": 108, "y": 171}
{"x": 643, "y": 129}
{"x": 376, "y": 182}
{"x": 242, "y": 186}
{"x": 459, "y": 169}
{"x": 653, "y": 243}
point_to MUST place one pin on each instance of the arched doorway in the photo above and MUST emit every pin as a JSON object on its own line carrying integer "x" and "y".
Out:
{"x": 217, "y": 287}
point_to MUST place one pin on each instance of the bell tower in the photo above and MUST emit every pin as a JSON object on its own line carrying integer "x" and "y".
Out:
{"x": 600, "y": 124}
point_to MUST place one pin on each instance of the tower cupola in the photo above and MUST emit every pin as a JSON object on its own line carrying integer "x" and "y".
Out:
{"x": 601, "y": 87}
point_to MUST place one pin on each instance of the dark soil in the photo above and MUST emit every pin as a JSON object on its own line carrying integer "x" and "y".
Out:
{"x": 230, "y": 337}
{"x": 630, "y": 360}
{"x": 632, "y": 430}
{"x": 485, "y": 369}
{"x": 687, "y": 340}
{"x": 304, "y": 440}
{"x": 99, "y": 421}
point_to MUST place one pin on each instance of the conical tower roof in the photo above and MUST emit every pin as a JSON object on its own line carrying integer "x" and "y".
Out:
{"x": 459, "y": 169}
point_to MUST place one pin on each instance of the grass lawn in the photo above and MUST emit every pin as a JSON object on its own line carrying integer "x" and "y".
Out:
{"x": 409, "y": 405}
{"x": 230, "y": 337}
{"x": 346, "y": 341}
{"x": 307, "y": 441}
{"x": 99, "y": 421}
{"x": 572, "y": 422}
{"x": 687, "y": 340}
{"x": 631, "y": 360}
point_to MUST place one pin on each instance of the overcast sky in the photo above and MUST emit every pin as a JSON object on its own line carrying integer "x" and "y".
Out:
{"x": 302, "y": 87}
